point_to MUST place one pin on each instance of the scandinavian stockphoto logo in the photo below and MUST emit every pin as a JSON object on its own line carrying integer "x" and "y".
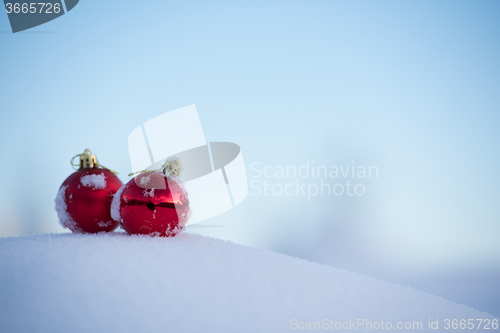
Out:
{"x": 310, "y": 180}
{"x": 213, "y": 173}
{"x": 25, "y": 15}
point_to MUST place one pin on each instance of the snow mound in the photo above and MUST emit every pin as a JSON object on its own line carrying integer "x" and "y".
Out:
{"x": 189, "y": 283}
{"x": 96, "y": 182}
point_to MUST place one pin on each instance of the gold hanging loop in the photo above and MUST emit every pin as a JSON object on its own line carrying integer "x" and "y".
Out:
{"x": 168, "y": 168}
{"x": 142, "y": 171}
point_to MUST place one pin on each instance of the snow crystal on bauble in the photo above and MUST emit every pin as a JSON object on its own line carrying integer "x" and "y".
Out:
{"x": 96, "y": 182}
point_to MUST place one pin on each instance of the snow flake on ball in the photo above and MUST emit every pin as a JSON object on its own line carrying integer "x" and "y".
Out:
{"x": 175, "y": 230}
{"x": 62, "y": 211}
{"x": 150, "y": 193}
{"x": 103, "y": 224}
{"x": 96, "y": 182}
{"x": 144, "y": 181}
{"x": 115, "y": 205}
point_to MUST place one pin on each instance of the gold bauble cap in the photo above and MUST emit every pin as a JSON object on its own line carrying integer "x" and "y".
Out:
{"x": 88, "y": 161}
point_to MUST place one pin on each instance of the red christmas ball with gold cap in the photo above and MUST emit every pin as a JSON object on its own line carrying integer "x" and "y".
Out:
{"x": 153, "y": 203}
{"x": 84, "y": 199}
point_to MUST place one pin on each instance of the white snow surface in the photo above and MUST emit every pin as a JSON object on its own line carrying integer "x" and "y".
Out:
{"x": 96, "y": 182}
{"x": 188, "y": 283}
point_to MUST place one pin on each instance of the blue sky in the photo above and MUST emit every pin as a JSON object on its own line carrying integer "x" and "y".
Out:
{"x": 411, "y": 87}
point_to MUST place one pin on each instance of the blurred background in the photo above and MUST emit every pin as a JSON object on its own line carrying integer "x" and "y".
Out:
{"x": 410, "y": 87}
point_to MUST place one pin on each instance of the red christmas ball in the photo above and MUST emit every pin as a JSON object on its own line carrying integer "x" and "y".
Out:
{"x": 84, "y": 200}
{"x": 152, "y": 204}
